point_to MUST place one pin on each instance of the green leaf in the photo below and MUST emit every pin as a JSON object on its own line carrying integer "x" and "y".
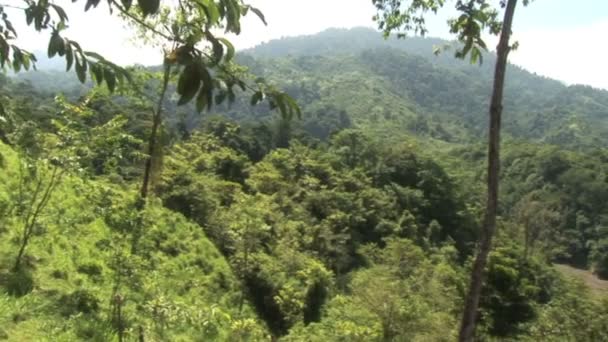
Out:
{"x": 94, "y": 55}
{"x": 110, "y": 78}
{"x": 149, "y": 7}
{"x": 60, "y": 12}
{"x": 56, "y": 45}
{"x": 127, "y": 4}
{"x": 69, "y": 57}
{"x": 259, "y": 14}
{"x": 293, "y": 105}
{"x": 230, "y": 49}
{"x": 97, "y": 73}
{"x": 26, "y": 62}
{"x": 218, "y": 49}
{"x": 201, "y": 101}
{"x": 233, "y": 16}
{"x": 91, "y": 3}
{"x": 205, "y": 96}
{"x": 9, "y": 27}
{"x": 282, "y": 107}
{"x": 17, "y": 56}
{"x": 81, "y": 70}
{"x": 189, "y": 83}
{"x": 76, "y": 45}
{"x": 212, "y": 12}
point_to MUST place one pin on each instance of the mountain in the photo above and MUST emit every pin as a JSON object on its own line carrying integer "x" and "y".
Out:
{"x": 403, "y": 83}
{"x": 353, "y": 77}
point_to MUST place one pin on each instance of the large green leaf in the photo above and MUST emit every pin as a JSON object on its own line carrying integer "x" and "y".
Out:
{"x": 259, "y": 14}
{"x": 229, "y": 49}
{"x": 205, "y": 96}
{"x": 81, "y": 70}
{"x": 56, "y": 45}
{"x": 69, "y": 57}
{"x": 91, "y": 3}
{"x": 212, "y": 11}
{"x": 127, "y": 3}
{"x": 110, "y": 78}
{"x": 149, "y": 7}
{"x": 97, "y": 73}
{"x": 188, "y": 84}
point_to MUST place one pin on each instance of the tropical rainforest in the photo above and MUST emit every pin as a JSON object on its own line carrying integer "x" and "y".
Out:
{"x": 353, "y": 216}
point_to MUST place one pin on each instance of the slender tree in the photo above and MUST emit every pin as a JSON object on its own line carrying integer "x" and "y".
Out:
{"x": 476, "y": 17}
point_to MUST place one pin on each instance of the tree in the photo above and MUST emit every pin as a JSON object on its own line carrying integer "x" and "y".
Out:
{"x": 185, "y": 29}
{"x": 536, "y": 217}
{"x": 476, "y": 16}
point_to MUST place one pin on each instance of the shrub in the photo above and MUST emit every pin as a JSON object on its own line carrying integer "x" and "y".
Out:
{"x": 79, "y": 301}
{"x": 19, "y": 283}
{"x": 91, "y": 269}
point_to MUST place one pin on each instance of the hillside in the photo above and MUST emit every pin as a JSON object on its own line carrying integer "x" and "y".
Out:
{"x": 447, "y": 93}
{"x": 94, "y": 265}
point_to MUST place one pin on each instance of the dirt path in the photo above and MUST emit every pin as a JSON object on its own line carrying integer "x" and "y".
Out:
{"x": 596, "y": 285}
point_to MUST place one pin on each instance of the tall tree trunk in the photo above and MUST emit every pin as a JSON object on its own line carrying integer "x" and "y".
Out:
{"x": 469, "y": 316}
{"x": 156, "y": 122}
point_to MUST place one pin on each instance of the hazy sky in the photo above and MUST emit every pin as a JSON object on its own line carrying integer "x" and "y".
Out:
{"x": 562, "y": 39}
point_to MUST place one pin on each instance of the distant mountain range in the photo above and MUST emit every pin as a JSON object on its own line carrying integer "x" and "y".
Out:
{"x": 351, "y": 77}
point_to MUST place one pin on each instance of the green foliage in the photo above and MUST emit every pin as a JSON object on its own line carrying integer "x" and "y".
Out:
{"x": 572, "y": 315}
{"x": 355, "y": 223}
{"x": 514, "y": 287}
{"x": 18, "y": 283}
{"x": 571, "y": 184}
{"x": 395, "y": 298}
{"x": 79, "y": 301}
{"x": 94, "y": 249}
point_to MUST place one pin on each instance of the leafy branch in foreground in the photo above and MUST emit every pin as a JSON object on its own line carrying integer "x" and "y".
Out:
{"x": 204, "y": 60}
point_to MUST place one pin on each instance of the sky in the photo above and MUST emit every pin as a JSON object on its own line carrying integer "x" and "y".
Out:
{"x": 561, "y": 39}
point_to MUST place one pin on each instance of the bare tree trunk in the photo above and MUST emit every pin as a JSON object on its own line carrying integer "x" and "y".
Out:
{"x": 152, "y": 142}
{"x": 469, "y": 316}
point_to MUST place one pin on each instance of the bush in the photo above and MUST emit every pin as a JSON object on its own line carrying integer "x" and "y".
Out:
{"x": 93, "y": 330}
{"x": 79, "y": 301}
{"x": 58, "y": 274}
{"x": 18, "y": 283}
{"x": 92, "y": 269}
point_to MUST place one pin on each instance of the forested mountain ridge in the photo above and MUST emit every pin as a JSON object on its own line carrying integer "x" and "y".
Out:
{"x": 448, "y": 93}
{"x": 341, "y": 77}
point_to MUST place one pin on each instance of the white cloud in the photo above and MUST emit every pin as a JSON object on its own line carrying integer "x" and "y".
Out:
{"x": 573, "y": 55}
{"x": 297, "y": 17}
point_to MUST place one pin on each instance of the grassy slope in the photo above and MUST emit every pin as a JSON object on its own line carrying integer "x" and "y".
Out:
{"x": 176, "y": 270}
{"x": 597, "y": 286}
